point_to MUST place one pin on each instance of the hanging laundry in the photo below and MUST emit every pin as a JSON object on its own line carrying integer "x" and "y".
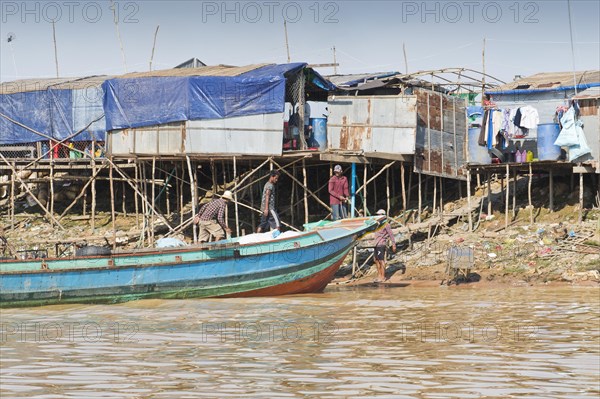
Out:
{"x": 572, "y": 136}
{"x": 529, "y": 117}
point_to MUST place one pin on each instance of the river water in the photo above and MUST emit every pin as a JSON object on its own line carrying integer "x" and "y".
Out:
{"x": 385, "y": 342}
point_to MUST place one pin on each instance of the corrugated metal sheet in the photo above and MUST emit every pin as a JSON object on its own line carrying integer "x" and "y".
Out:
{"x": 441, "y": 134}
{"x": 549, "y": 80}
{"x": 384, "y": 124}
{"x": 247, "y": 135}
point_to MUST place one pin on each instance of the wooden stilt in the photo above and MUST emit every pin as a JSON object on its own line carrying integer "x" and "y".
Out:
{"x": 442, "y": 197}
{"x": 112, "y": 207}
{"x": 180, "y": 193}
{"x": 514, "y": 195}
{"x": 507, "y": 197}
{"x": 235, "y": 196}
{"x": 420, "y": 200}
{"x": 365, "y": 190}
{"x": 489, "y": 192}
{"x": 253, "y": 214}
{"x": 167, "y": 190}
{"x": 402, "y": 181}
{"x": 93, "y": 210}
{"x": 135, "y": 197}
{"x": 387, "y": 190}
{"x": 292, "y": 194}
{"x": 460, "y": 190}
{"x": 551, "y": 190}
{"x": 52, "y": 187}
{"x": 410, "y": 177}
{"x": 434, "y": 210}
{"x": 193, "y": 192}
{"x": 469, "y": 199}
{"x": 529, "y": 195}
{"x": 305, "y": 191}
{"x": 580, "y": 197}
{"x": 84, "y": 211}
{"x": 145, "y": 219}
{"x": 124, "y": 200}
{"x": 152, "y": 219}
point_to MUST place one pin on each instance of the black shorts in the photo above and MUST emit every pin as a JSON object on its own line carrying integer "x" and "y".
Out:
{"x": 380, "y": 253}
{"x": 269, "y": 222}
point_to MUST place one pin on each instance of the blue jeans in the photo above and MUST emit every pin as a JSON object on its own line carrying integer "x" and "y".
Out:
{"x": 338, "y": 211}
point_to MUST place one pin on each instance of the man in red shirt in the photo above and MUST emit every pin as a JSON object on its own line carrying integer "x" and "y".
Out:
{"x": 338, "y": 194}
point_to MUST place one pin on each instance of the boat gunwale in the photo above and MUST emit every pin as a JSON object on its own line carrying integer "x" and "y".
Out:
{"x": 177, "y": 250}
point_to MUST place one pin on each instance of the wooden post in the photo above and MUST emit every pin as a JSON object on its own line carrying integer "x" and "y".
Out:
{"x": 235, "y": 196}
{"x": 153, "y": 200}
{"x": 365, "y": 190}
{"x": 551, "y": 190}
{"x": 124, "y": 200}
{"x": 293, "y": 194}
{"x": 434, "y": 210}
{"x": 529, "y": 195}
{"x": 167, "y": 191}
{"x": 489, "y": 192}
{"x": 469, "y": 199}
{"x": 135, "y": 197}
{"x": 442, "y": 197}
{"x": 387, "y": 190}
{"x": 354, "y": 260}
{"x": 193, "y": 192}
{"x": 420, "y": 200}
{"x": 507, "y": 197}
{"x": 112, "y": 206}
{"x": 52, "y": 187}
{"x": 305, "y": 191}
{"x": 252, "y": 201}
{"x": 180, "y": 193}
{"x": 84, "y": 211}
{"x": 410, "y": 175}
{"x": 580, "y": 197}
{"x": 514, "y": 195}
{"x": 93, "y": 210}
{"x": 403, "y": 186}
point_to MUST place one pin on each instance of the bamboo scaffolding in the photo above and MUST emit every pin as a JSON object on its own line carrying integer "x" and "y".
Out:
{"x": 81, "y": 193}
{"x": 308, "y": 192}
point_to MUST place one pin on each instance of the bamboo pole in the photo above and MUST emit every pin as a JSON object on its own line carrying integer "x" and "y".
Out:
{"x": 167, "y": 191}
{"x": 12, "y": 198}
{"x": 112, "y": 207}
{"x": 514, "y": 195}
{"x": 83, "y": 190}
{"x": 253, "y": 215}
{"x": 85, "y": 202}
{"x": 180, "y": 196}
{"x": 305, "y": 191}
{"x": 442, "y": 197}
{"x": 506, "y": 203}
{"x": 434, "y": 210}
{"x": 403, "y": 186}
{"x": 146, "y": 223}
{"x": 529, "y": 195}
{"x": 292, "y": 195}
{"x": 408, "y": 195}
{"x": 235, "y": 196}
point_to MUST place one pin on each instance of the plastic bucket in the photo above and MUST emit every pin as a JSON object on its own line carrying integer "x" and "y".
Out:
{"x": 477, "y": 154}
{"x": 319, "y": 126}
{"x": 547, "y": 134}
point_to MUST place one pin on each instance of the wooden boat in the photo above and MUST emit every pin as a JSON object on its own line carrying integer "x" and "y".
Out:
{"x": 304, "y": 263}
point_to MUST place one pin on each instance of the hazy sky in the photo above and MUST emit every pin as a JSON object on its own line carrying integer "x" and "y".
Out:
{"x": 523, "y": 37}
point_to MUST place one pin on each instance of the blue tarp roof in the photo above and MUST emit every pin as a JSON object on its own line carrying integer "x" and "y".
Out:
{"x": 148, "y": 101}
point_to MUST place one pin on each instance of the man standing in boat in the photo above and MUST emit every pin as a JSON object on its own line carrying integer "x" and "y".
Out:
{"x": 269, "y": 218}
{"x": 211, "y": 219}
{"x": 381, "y": 236}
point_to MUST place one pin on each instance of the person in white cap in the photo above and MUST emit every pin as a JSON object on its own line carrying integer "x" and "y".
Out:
{"x": 211, "y": 219}
{"x": 381, "y": 236}
{"x": 338, "y": 194}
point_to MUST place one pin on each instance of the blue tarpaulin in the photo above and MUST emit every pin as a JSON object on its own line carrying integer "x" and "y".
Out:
{"x": 149, "y": 101}
{"x": 52, "y": 112}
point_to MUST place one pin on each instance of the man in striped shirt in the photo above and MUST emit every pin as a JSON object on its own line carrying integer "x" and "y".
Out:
{"x": 381, "y": 236}
{"x": 211, "y": 219}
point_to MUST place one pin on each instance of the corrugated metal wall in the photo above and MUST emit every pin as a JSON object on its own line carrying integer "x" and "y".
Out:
{"x": 384, "y": 124}
{"x": 441, "y": 134}
{"x": 248, "y": 135}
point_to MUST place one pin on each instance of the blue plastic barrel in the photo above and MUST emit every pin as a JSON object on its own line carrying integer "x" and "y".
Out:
{"x": 319, "y": 126}
{"x": 477, "y": 154}
{"x": 546, "y": 136}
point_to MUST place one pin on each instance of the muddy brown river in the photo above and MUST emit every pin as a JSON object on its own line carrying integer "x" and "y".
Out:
{"x": 392, "y": 342}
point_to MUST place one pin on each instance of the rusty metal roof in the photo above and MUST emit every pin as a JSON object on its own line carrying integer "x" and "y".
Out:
{"x": 27, "y": 85}
{"x": 588, "y": 94}
{"x": 551, "y": 80}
